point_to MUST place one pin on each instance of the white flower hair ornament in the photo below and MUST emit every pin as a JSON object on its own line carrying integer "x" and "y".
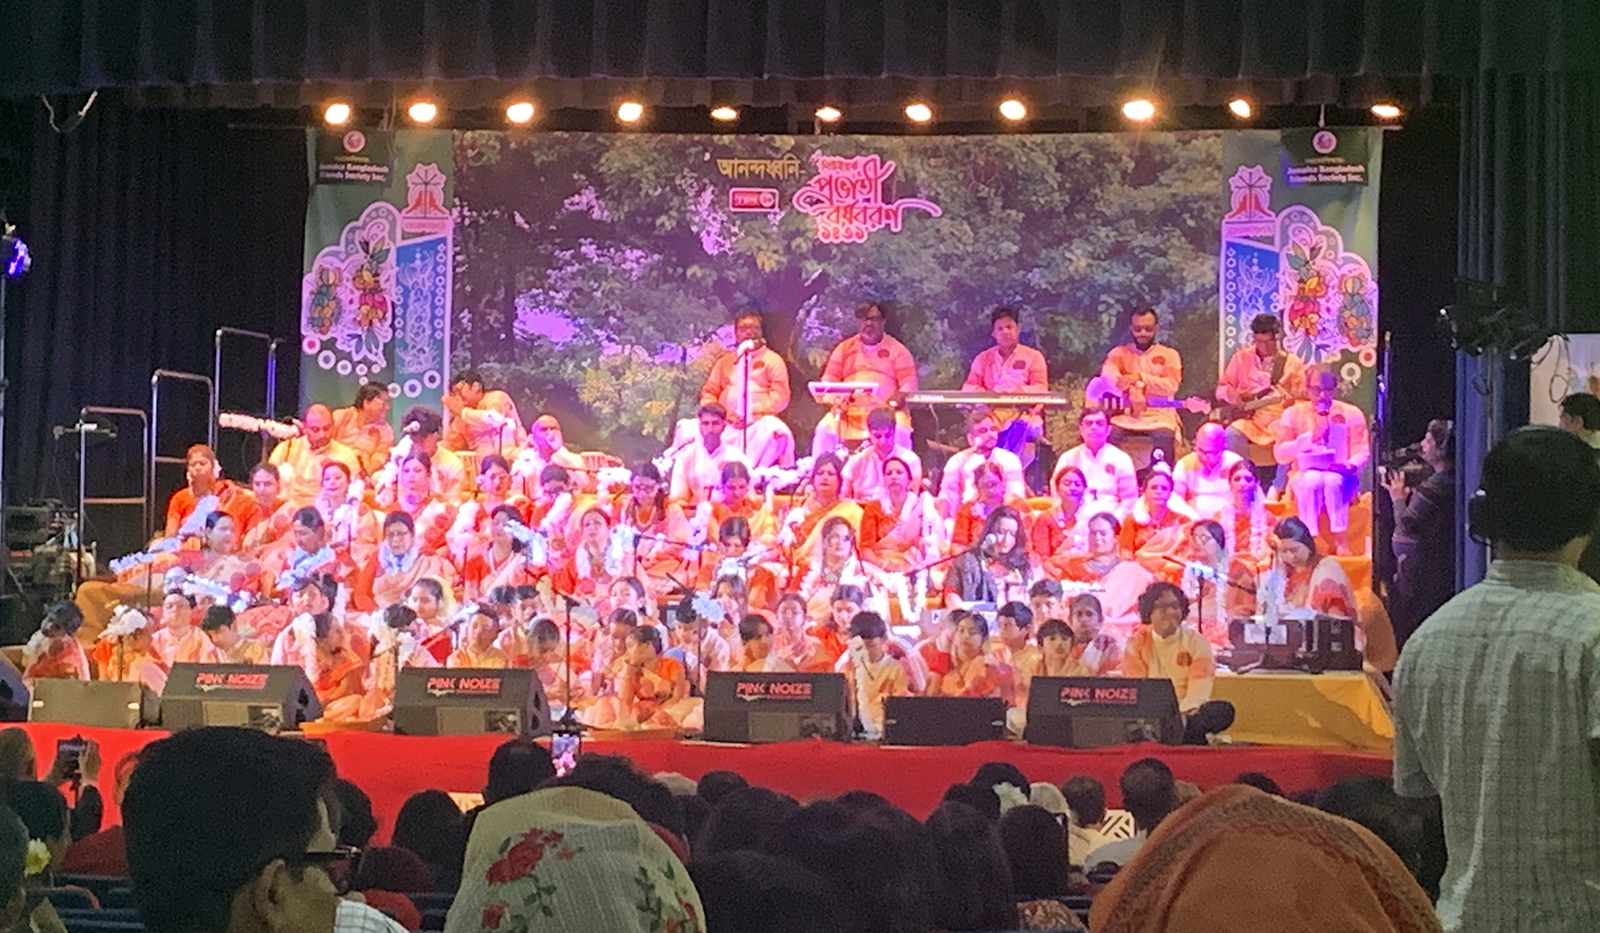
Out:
{"x": 707, "y": 608}
{"x": 125, "y": 620}
{"x": 38, "y": 858}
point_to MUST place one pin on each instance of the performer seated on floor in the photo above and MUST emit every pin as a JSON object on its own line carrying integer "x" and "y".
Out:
{"x": 959, "y": 481}
{"x": 1010, "y": 367}
{"x": 1155, "y": 526}
{"x": 1245, "y": 518}
{"x": 695, "y": 643}
{"x": 226, "y": 645}
{"x": 204, "y": 483}
{"x": 822, "y": 502}
{"x": 1097, "y": 650}
{"x": 1219, "y": 586}
{"x": 471, "y": 525}
{"x": 1164, "y": 647}
{"x": 1120, "y": 580}
{"x": 300, "y": 459}
{"x": 128, "y": 655}
{"x": 399, "y": 563}
{"x": 1143, "y": 369}
{"x": 653, "y": 689}
{"x": 870, "y": 356}
{"x": 990, "y": 494}
{"x": 1059, "y": 534}
{"x": 605, "y": 666}
{"x": 1201, "y": 477}
{"x": 968, "y": 669}
{"x": 1301, "y": 579}
{"x": 478, "y": 644}
{"x": 1052, "y": 659}
{"x": 697, "y": 469}
{"x": 863, "y": 472}
{"x": 427, "y": 602}
{"x": 364, "y": 427}
{"x": 547, "y": 447}
{"x": 1107, "y": 470}
{"x": 871, "y": 673}
{"x": 900, "y": 527}
{"x": 997, "y": 571}
{"x": 447, "y": 474}
{"x": 757, "y": 655}
{"x": 179, "y": 640}
{"x": 835, "y": 561}
{"x": 53, "y": 652}
{"x": 482, "y": 422}
{"x": 503, "y": 562}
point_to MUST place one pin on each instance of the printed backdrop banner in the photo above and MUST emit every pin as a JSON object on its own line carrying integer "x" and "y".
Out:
{"x": 596, "y": 276}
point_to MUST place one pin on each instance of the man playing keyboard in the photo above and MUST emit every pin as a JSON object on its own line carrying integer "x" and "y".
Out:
{"x": 871, "y": 356}
{"x": 1008, "y": 366}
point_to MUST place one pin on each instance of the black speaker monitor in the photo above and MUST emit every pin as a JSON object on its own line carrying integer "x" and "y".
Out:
{"x": 273, "y": 699}
{"x": 1090, "y": 712}
{"x": 774, "y": 707}
{"x": 104, "y": 703}
{"x": 468, "y": 701}
{"x": 943, "y": 720}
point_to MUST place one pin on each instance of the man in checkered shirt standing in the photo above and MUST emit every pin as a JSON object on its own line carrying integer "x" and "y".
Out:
{"x": 1497, "y": 700}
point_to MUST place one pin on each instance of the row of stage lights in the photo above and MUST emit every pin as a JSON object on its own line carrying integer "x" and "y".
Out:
{"x": 520, "y": 112}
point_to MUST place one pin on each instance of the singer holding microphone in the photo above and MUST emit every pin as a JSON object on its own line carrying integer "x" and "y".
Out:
{"x": 752, "y": 384}
{"x": 1326, "y": 444}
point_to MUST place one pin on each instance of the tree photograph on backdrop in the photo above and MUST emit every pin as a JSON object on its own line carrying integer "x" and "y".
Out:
{"x": 596, "y": 276}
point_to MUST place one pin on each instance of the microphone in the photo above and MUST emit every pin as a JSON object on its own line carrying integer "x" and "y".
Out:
{"x": 989, "y": 541}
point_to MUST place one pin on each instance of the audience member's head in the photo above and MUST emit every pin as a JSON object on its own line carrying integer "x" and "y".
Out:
{"x": 742, "y": 820}
{"x": 857, "y": 800}
{"x": 979, "y": 797}
{"x": 43, "y": 811}
{"x": 1036, "y": 847}
{"x": 1148, "y": 792}
{"x": 880, "y": 859}
{"x": 1580, "y": 413}
{"x": 616, "y": 776}
{"x": 749, "y": 891}
{"x": 1260, "y": 782}
{"x": 517, "y": 767}
{"x": 391, "y": 868}
{"x": 1086, "y": 798}
{"x": 432, "y": 826}
{"x": 13, "y": 868}
{"x": 227, "y": 829}
{"x": 715, "y": 785}
{"x": 1307, "y": 871}
{"x": 1372, "y": 802}
{"x": 991, "y": 773}
{"x": 1539, "y": 493}
{"x": 357, "y": 825}
{"x": 18, "y": 762}
{"x": 974, "y": 890}
{"x": 565, "y": 859}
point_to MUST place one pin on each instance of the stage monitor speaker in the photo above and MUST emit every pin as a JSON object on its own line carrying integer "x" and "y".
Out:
{"x": 943, "y": 720}
{"x": 465, "y": 701}
{"x": 1090, "y": 712}
{"x": 273, "y": 699}
{"x": 774, "y": 707}
{"x": 110, "y": 704}
{"x": 13, "y": 693}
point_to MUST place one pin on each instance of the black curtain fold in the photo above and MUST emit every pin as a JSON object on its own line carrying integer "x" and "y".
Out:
{"x": 149, "y": 230}
{"x": 1529, "y": 219}
{"x": 242, "y": 53}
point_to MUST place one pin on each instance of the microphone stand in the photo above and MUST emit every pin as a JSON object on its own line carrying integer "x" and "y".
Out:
{"x": 569, "y": 719}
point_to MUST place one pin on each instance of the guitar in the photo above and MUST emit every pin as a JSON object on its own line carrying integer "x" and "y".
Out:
{"x": 1102, "y": 393}
{"x": 1245, "y": 409}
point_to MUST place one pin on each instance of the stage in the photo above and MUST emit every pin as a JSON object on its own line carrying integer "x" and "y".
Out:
{"x": 392, "y": 767}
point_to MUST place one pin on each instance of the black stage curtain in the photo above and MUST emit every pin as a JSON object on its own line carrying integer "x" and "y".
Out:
{"x": 231, "y": 53}
{"x": 1529, "y": 217}
{"x": 150, "y": 229}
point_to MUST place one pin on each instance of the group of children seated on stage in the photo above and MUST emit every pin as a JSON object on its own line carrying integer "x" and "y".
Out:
{"x": 354, "y": 558}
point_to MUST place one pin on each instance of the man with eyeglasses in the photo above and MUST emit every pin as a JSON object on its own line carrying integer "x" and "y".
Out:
{"x": 228, "y": 830}
{"x": 870, "y": 355}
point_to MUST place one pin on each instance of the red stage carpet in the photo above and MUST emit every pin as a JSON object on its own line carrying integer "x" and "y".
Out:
{"x": 392, "y": 767}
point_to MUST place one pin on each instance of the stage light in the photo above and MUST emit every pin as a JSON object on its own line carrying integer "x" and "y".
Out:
{"x": 724, "y": 114}
{"x": 630, "y": 111}
{"x": 13, "y": 251}
{"x": 423, "y": 111}
{"x": 1240, "y": 108}
{"x": 1386, "y": 111}
{"x": 1139, "y": 110}
{"x": 520, "y": 112}
{"x": 336, "y": 113}
{"x": 919, "y": 112}
{"x": 1013, "y": 109}
{"x": 829, "y": 114}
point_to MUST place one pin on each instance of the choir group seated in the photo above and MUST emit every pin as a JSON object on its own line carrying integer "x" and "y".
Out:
{"x": 483, "y": 542}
